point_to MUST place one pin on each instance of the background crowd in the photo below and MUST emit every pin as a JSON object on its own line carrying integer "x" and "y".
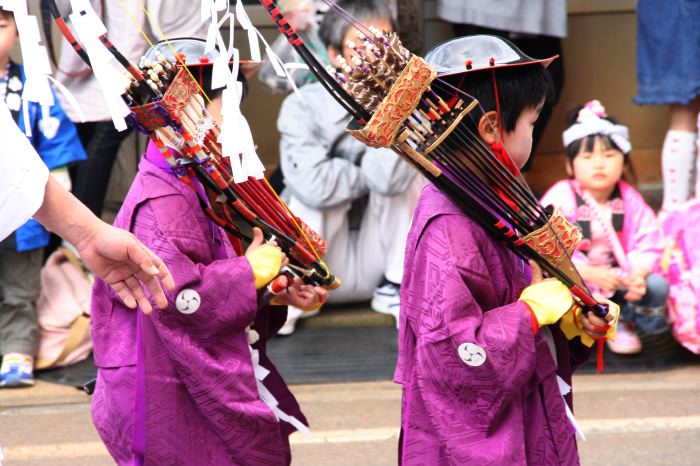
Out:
{"x": 361, "y": 200}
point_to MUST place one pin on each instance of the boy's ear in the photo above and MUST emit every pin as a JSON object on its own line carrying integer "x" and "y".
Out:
{"x": 333, "y": 54}
{"x": 488, "y": 127}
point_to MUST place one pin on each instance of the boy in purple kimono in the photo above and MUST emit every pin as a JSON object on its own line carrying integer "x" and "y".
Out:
{"x": 193, "y": 385}
{"x": 485, "y": 369}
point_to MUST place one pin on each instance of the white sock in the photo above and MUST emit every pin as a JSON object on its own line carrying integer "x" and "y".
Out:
{"x": 677, "y": 160}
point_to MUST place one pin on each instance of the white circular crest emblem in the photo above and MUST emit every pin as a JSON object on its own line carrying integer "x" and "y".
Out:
{"x": 471, "y": 354}
{"x": 188, "y": 301}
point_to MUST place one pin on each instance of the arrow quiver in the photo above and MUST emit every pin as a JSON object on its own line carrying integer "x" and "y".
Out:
{"x": 177, "y": 117}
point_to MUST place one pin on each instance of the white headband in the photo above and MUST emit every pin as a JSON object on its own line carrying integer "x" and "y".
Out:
{"x": 590, "y": 122}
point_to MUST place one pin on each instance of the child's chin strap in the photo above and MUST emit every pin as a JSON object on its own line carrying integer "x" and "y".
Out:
{"x": 499, "y": 120}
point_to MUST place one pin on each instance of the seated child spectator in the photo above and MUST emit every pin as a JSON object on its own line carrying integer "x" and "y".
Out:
{"x": 193, "y": 384}
{"x": 354, "y": 196}
{"x": 55, "y": 139}
{"x": 622, "y": 242}
{"x": 484, "y": 366}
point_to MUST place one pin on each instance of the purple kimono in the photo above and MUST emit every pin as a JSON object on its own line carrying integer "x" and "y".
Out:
{"x": 177, "y": 386}
{"x": 479, "y": 386}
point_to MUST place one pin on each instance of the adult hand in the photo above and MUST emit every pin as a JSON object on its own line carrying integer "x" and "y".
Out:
{"x": 114, "y": 255}
{"x": 122, "y": 261}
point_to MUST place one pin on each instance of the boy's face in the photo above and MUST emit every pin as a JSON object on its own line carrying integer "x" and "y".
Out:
{"x": 519, "y": 141}
{"x": 353, "y": 35}
{"x": 8, "y": 36}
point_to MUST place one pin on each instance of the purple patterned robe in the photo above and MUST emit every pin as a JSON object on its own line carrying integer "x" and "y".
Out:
{"x": 460, "y": 290}
{"x": 202, "y": 405}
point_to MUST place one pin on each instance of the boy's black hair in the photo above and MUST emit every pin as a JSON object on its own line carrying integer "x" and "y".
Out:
{"x": 573, "y": 149}
{"x": 334, "y": 27}
{"x": 519, "y": 88}
{"x": 203, "y": 75}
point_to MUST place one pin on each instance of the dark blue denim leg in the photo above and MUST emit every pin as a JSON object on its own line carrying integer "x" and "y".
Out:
{"x": 657, "y": 292}
{"x": 650, "y": 315}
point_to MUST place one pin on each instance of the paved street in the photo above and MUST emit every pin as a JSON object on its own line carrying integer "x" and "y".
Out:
{"x": 630, "y": 419}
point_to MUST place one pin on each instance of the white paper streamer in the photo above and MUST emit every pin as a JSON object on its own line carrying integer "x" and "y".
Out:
{"x": 269, "y": 399}
{"x": 89, "y": 27}
{"x": 247, "y": 26}
{"x": 69, "y": 97}
{"x": 37, "y": 67}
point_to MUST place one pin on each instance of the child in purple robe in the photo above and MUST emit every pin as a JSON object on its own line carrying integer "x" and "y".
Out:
{"x": 484, "y": 365}
{"x": 192, "y": 384}
{"x": 622, "y": 241}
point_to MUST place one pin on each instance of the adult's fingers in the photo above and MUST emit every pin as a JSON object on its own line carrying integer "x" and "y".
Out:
{"x": 154, "y": 287}
{"x": 136, "y": 289}
{"x": 151, "y": 265}
{"x": 125, "y": 294}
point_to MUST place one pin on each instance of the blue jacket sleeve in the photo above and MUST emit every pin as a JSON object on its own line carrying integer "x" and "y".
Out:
{"x": 56, "y": 138}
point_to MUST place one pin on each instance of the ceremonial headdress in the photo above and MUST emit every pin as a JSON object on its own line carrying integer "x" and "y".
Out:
{"x": 192, "y": 53}
{"x": 477, "y": 53}
{"x": 592, "y": 120}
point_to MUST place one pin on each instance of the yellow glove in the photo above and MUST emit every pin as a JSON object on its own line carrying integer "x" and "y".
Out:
{"x": 548, "y": 300}
{"x": 571, "y": 325}
{"x": 265, "y": 262}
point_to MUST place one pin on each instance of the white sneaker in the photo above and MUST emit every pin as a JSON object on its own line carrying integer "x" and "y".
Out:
{"x": 293, "y": 315}
{"x": 17, "y": 370}
{"x": 386, "y": 300}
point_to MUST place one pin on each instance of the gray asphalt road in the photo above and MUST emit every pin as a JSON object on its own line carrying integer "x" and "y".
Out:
{"x": 630, "y": 419}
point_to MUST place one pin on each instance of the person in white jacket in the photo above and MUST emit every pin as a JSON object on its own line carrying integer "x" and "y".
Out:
{"x": 357, "y": 198}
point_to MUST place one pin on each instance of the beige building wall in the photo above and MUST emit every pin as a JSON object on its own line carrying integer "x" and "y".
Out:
{"x": 599, "y": 58}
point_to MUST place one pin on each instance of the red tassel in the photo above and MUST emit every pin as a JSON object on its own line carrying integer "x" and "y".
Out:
{"x": 600, "y": 365}
{"x": 502, "y": 155}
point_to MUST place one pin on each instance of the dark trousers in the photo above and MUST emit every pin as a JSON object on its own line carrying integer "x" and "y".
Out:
{"x": 536, "y": 47}
{"x": 20, "y": 282}
{"x": 91, "y": 177}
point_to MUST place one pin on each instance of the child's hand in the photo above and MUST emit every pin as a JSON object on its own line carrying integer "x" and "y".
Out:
{"x": 546, "y": 300}
{"x": 597, "y": 327}
{"x": 636, "y": 287}
{"x": 301, "y": 296}
{"x": 266, "y": 259}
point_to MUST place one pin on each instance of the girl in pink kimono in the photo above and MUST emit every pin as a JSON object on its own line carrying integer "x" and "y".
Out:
{"x": 622, "y": 243}
{"x": 484, "y": 366}
{"x": 192, "y": 385}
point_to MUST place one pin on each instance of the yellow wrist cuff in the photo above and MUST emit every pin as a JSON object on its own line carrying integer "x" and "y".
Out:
{"x": 549, "y": 300}
{"x": 265, "y": 262}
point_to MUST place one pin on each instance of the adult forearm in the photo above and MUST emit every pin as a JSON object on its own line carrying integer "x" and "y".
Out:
{"x": 63, "y": 214}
